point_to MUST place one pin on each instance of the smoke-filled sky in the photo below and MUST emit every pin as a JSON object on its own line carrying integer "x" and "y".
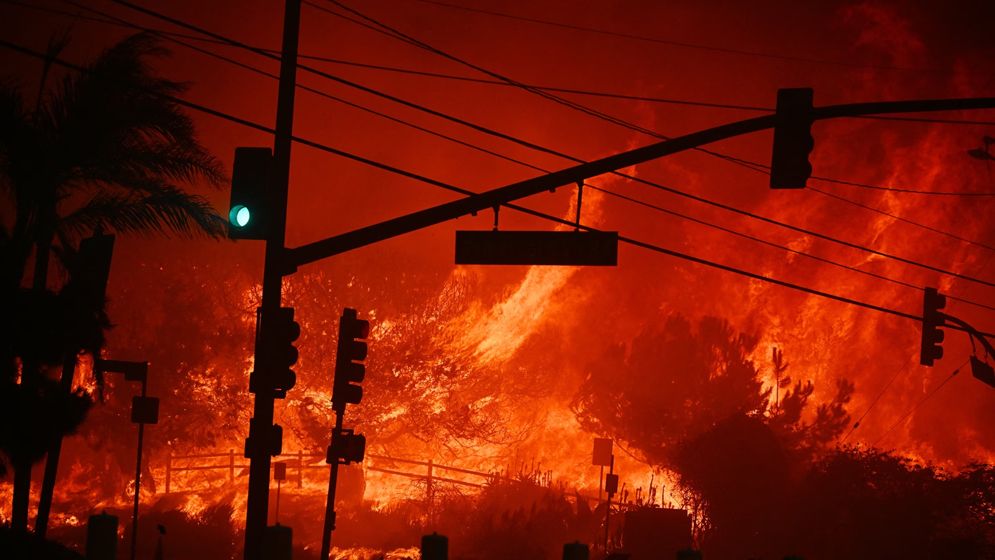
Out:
{"x": 725, "y": 53}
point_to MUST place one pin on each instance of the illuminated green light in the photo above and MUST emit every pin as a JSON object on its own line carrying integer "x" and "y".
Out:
{"x": 239, "y": 215}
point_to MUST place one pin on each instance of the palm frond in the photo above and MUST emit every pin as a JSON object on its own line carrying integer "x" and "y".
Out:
{"x": 166, "y": 210}
{"x": 116, "y": 116}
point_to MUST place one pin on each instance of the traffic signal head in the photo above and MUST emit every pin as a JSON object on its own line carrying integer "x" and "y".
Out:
{"x": 250, "y": 183}
{"x": 793, "y": 142}
{"x": 932, "y": 319}
{"x": 347, "y": 447}
{"x": 351, "y": 351}
{"x": 284, "y": 331}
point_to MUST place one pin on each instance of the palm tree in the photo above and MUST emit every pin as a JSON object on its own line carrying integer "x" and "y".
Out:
{"x": 102, "y": 150}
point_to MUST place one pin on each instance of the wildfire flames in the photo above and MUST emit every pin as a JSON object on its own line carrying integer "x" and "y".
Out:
{"x": 481, "y": 371}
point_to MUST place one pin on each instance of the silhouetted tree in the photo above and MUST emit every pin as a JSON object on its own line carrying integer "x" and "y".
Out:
{"x": 858, "y": 503}
{"x": 102, "y": 150}
{"x": 674, "y": 381}
{"x": 690, "y": 399}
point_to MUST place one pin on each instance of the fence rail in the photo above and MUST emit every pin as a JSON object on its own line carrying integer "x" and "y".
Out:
{"x": 429, "y": 476}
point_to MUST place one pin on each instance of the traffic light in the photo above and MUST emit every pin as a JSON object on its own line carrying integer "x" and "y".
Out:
{"x": 932, "y": 320}
{"x": 349, "y": 355}
{"x": 283, "y": 334}
{"x": 250, "y": 183}
{"x": 793, "y": 142}
{"x": 347, "y": 447}
{"x": 264, "y": 438}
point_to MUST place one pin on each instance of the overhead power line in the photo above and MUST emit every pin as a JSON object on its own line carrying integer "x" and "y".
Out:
{"x": 871, "y": 406}
{"x": 538, "y": 168}
{"x": 531, "y": 145}
{"x": 381, "y": 27}
{"x": 919, "y": 404}
{"x": 445, "y": 76}
{"x": 173, "y": 35}
{"x": 526, "y": 164}
{"x": 901, "y": 219}
{"x": 901, "y": 190}
{"x": 106, "y": 20}
{"x": 670, "y": 42}
{"x": 411, "y": 175}
{"x": 746, "y": 163}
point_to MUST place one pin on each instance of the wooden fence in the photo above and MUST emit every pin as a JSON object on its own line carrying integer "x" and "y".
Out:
{"x": 301, "y": 461}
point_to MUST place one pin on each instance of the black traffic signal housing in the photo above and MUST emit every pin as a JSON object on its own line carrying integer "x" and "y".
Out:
{"x": 932, "y": 319}
{"x": 347, "y": 447}
{"x": 248, "y": 211}
{"x": 351, "y": 351}
{"x": 793, "y": 142}
{"x": 284, "y": 331}
{"x": 263, "y": 438}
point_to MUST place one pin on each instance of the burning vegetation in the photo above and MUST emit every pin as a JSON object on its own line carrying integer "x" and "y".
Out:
{"x": 781, "y": 422}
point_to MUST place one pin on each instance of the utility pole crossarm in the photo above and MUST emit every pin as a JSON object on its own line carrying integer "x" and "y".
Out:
{"x": 368, "y": 235}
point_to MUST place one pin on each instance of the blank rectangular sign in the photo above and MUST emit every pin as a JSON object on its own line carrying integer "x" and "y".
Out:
{"x": 565, "y": 248}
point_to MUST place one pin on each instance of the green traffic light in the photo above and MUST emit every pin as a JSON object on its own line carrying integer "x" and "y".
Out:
{"x": 239, "y": 215}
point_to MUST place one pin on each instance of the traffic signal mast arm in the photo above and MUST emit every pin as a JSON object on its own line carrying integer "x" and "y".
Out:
{"x": 368, "y": 235}
{"x": 971, "y": 331}
{"x": 933, "y": 320}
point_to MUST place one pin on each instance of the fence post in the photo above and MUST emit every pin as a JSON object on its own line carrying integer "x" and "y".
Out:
{"x": 300, "y": 468}
{"x": 428, "y": 491}
{"x": 231, "y": 465}
{"x": 169, "y": 469}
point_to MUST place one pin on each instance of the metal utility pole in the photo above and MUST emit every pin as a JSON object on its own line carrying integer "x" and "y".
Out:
{"x": 346, "y": 446}
{"x": 333, "y": 478}
{"x": 262, "y": 433}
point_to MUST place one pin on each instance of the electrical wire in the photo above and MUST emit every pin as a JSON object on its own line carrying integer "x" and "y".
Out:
{"x": 751, "y": 165}
{"x": 538, "y": 168}
{"x": 746, "y": 163}
{"x": 216, "y": 41}
{"x": 902, "y": 219}
{"x": 386, "y": 167}
{"x": 535, "y": 167}
{"x": 644, "y": 38}
{"x": 919, "y": 404}
{"x": 871, "y": 406}
{"x": 754, "y": 166}
{"x": 902, "y": 190}
{"x": 395, "y": 69}
{"x": 441, "y": 75}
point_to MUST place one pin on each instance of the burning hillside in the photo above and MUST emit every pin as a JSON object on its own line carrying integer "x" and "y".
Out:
{"x": 753, "y": 356}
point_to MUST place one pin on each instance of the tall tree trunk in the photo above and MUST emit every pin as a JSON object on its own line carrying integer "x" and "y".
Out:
{"x": 54, "y": 452}
{"x": 30, "y": 374}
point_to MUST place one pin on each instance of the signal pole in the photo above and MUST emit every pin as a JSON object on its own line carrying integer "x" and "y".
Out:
{"x": 346, "y": 446}
{"x": 262, "y": 434}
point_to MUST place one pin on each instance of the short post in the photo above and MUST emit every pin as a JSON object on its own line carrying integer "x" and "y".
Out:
{"x": 231, "y": 466}
{"x": 169, "y": 470}
{"x": 575, "y": 551}
{"x": 278, "y": 542}
{"x": 101, "y": 537}
{"x": 279, "y": 474}
{"x": 434, "y": 547}
{"x": 300, "y": 469}
{"x": 428, "y": 494}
